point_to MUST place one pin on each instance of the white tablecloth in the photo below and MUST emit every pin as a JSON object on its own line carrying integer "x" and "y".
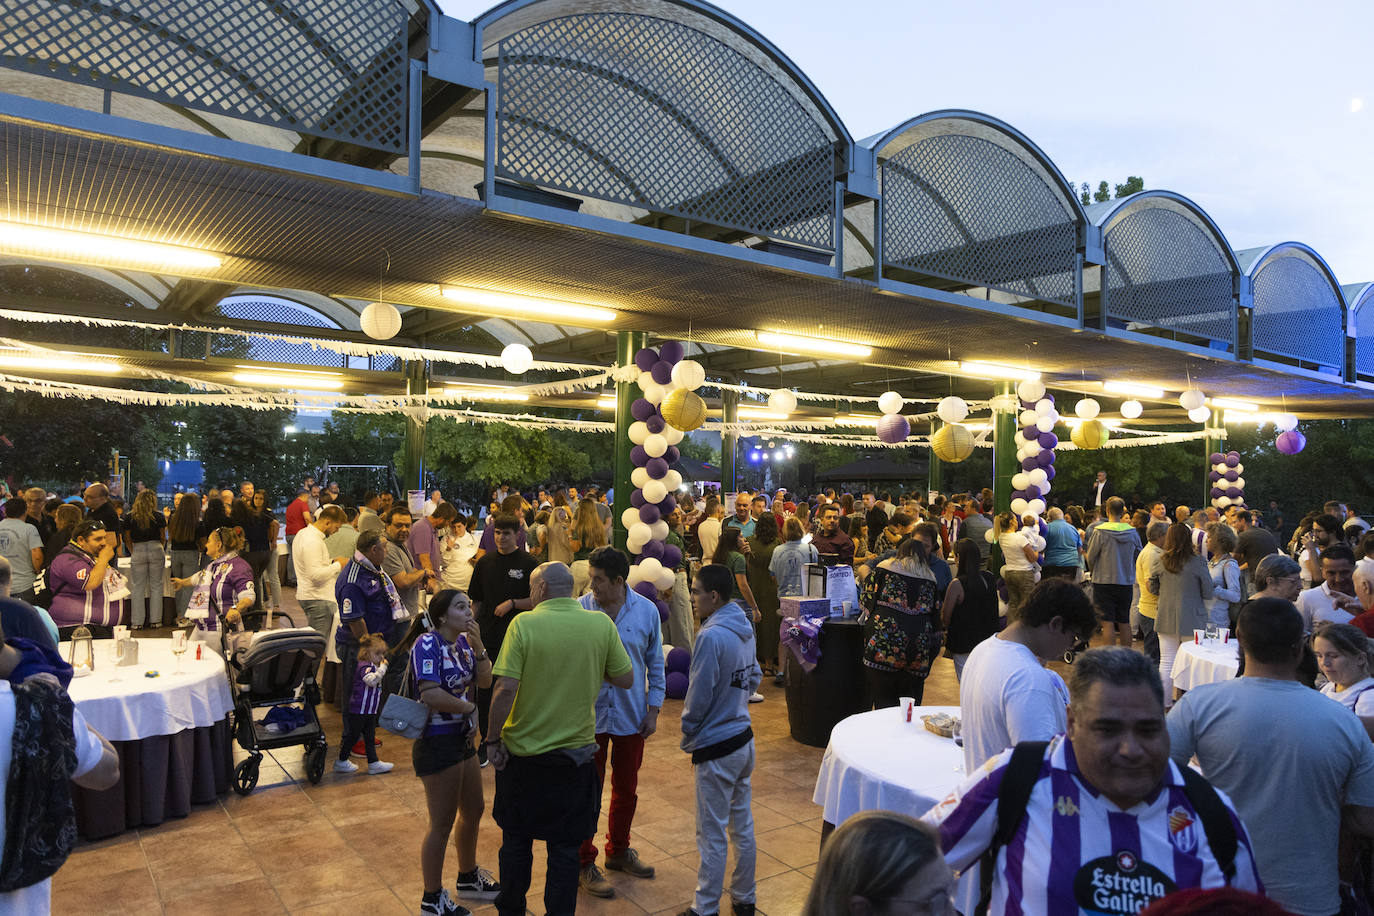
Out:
{"x": 137, "y": 707}
{"x": 1197, "y": 664}
{"x": 877, "y": 761}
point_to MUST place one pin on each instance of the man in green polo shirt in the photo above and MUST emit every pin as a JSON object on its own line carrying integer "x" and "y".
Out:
{"x": 542, "y": 736}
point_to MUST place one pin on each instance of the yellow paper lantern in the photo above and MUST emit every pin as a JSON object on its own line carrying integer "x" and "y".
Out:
{"x": 1089, "y": 435}
{"x": 683, "y": 409}
{"x": 952, "y": 443}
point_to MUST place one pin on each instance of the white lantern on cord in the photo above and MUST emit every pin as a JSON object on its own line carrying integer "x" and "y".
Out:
{"x": 1036, "y": 506}
{"x": 1286, "y": 422}
{"x": 1044, "y": 406}
{"x": 658, "y": 531}
{"x": 666, "y": 579}
{"x": 782, "y": 400}
{"x": 1191, "y": 400}
{"x": 689, "y": 374}
{"x": 1132, "y": 409}
{"x": 649, "y": 567}
{"x": 1033, "y": 448}
{"x": 890, "y": 402}
{"x": 639, "y": 532}
{"x": 655, "y": 446}
{"x": 952, "y": 409}
{"x": 1019, "y": 506}
{"x": 1030, "y": 390}
{"x": 380, "y": 321}
{"x": 516, "y": 359}
{"x": 1199, "y": 414}
{"x": 1087, "y": 409}
{"x": 1038, "y": 477}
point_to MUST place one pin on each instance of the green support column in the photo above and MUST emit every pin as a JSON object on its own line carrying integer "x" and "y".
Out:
{"x": 413, "y": 473}
{"x": 935, "y": 469}
{"x": 627, "y": 344}
{"x": 1213, "y": 443}
{"x": 1004, "y": 466}
{"x": 729, "y": 442}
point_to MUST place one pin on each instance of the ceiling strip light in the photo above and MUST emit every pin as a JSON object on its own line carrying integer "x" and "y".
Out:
{"x": 66, "y": 245}
{"x": 980, "y": 369}
{"x": 518, "y": 306}
{"x": 1232, "y": 404}
{"x": 606, "y": 403}
{"x": 760, "y": 413}
{"x": 283, "y": 380}
{"x": 812, "y": 346}
{"x": 1131, "y": 389}
{"x": 59, "y": 363}
{"x": 475, "y": 392}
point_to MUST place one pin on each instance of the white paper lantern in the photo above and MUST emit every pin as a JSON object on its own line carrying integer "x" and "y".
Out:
{"x": 1028, "y": 417}
{"x": 639, "y": 477}
{"x": 655, "y": 394}
{"x": 1045, "y": 424}
{"x": 516, "y": 359}
{"x": 666, "y": 580}
{"x": 638, "y": 432}
{"x": 952, "y": 409}
{"x": 654, "y": 491}
{"x": 891, "y": 402}
{"x": 381, "y": 321}
{"x": 689, "y": 374}
{"x": 1087, "y": 409}
{"x": 1286, "y": 422}
{"x": 672, "y": 481}
{"x": 672, "y": 434}
{"x": 1132, "y": 409}
{"x": 1020, "y": 480}
{"x": 1036, "y": 506}
{"x": 1044, "y": 406}
{"x": 655, "y": 446}
{"x": 658, "y": 531}
{"x": 1192, "y": 399}
{"x": 1030, "y": 390}
{"x": 639, "y": 533}
{"x": 629, "y": 518}
{"x": 1019, "y": 506}
{"x": 1199, "y": 414}
{"x": 1038, "y": 477}
{"x": 783, "y": 401}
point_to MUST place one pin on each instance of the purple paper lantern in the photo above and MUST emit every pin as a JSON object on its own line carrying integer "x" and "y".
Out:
{"x": 662, "y": 372}
{"x": 1214, "y": 476}
{"x": 638, "y": 456}
{"x": 647, "y": 589}
{"x": 657, "y": 468}
{"x": 679, "y": 659}
{"x": 648, "y": 513}
{"x": 652, "y": 549}
{"x": 893, "y": 428}
{"x": 1030, "y": 434}
{"x": 637, "y": 499}
{"x": 642, "y": 410}
{"x": 1049, "y": 469}
{"x": 1291, "y": 442}
{"x": 672, "y": 555}
{"x": 656, "y": 423}
{"x": 1045, "y": 458}
{"x": 645, "y": 359}
{"x": 671, "y": 352}
{"x": 675, "y": 685}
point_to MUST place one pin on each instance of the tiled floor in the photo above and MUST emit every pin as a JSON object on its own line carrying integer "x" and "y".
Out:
{"x": 351, "y": 844}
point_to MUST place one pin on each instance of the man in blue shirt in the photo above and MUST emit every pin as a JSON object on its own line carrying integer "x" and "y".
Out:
{"x": 368, "y": 603}
{"x": 1063, "y": 547}
{"x": 624, "y": 718}
{"x": 742, "y": 520}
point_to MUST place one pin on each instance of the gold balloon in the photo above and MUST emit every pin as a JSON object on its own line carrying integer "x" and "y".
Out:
{"x": 952, "y": 443}
{"x": 683, "y": 409}
{"x": 1089, "y": 435}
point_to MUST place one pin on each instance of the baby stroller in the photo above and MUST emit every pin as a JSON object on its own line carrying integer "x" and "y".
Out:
{"x": 275, "y": 669}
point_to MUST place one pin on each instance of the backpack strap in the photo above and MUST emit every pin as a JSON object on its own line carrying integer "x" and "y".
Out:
{"x": 1023, "y": 771}
{"x": 1216, "y": 820}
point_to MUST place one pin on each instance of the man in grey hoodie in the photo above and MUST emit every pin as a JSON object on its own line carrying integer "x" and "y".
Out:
{"x": 716, "y": 732}
{"x": 1112, "y": 548}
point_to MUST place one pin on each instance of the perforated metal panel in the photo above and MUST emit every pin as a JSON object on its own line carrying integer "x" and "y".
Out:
{"x": 278, "y": 351}
{"x": 331, "y": 68}
{"x": 1361, "y": 298}
{"x": 656, "y": 114}
{"x": 965, "y": 209}
{"x": 1163, "y": 270}
{"x": 1298, "y": 311}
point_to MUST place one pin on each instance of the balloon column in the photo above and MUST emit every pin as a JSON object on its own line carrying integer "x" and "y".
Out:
{"x": 1034, "y": 449}
{"x": 1228, "y": 486}
{"x": 668, "y": 381}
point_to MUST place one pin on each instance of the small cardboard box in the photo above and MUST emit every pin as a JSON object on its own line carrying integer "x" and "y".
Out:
{"x": 793, "y": 606}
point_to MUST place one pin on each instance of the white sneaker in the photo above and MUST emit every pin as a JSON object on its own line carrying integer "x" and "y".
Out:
{"x": 345, "y": 766}
{"x": 377, "y": 767}
{"x": 756, "y": 698}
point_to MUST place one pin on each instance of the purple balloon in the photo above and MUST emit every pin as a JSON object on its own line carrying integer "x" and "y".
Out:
{"x": 1030, "y": 434}
{"x": 1030, "y": 463}
{"x": 645, "y": 359}
{"x": 648, "y": 514}
{"x": 675, "y": 685}
{"x": 1216, "y": 458}
{"x": 672, "y": 556}
{"x": 1214, "y": 475}
{"x": 652, "y": 549}
{"x": 662, "y": 609}
{"x": 641, "y": 409}
{"x": 1045, "y": 458}
{"x": 657, "y": 468}
{"x": 647, "y": 589}
{"x": 1217, "y": 491}
{"x": 1049, "y": 471}
{"x": 1233, "y": 454}
{"x": 1019, "y": 494}
{"x": 1032, "y": 492}
{"x": 637, "y": 499}
{"x": 672, "y": 455}
{"x": 671, "y": 352}
{"x": 1234, "y": 492}
{"x": 1291, "y": 442}
{"x": 666, "y": 507}
{"x": 1048, "y": 440}
{"x": 679, "y": 659}
{"x": 656, "y": 423}
{"x": 1040, "y": 524}
{"x": 894, "y": 428}
{"x": 638, "y": 456}
{"x": 1232, "y": 474}
{"x": 662, "y": 372}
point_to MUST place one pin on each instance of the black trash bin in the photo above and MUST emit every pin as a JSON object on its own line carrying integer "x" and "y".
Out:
{"x": 834, "y": 690}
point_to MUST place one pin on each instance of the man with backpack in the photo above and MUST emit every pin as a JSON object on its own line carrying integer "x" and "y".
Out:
{"x": 1099, "y": 819}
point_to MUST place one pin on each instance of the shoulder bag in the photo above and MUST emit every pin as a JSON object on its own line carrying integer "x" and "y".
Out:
{"x": 400, "y": 714}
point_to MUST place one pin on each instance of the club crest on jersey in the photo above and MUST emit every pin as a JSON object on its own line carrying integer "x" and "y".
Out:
{"x": 1183, "y": 830}
{"x": 1065, "y": 807}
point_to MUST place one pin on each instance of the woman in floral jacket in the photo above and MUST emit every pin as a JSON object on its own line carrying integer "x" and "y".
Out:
{"x": 902, "y": 626}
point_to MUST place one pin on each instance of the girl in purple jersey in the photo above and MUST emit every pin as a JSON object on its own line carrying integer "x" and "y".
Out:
{"x": 364, "y": 704}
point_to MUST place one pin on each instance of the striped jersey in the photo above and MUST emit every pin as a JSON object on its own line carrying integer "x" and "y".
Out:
{"x": 1076, "y": 852}
{"x": 366, "y": 698}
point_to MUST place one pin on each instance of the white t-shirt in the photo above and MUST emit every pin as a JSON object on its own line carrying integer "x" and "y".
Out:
{"x": 1013, "y": 545}
{"x": 36, "y": 899}
{"x": 708, "y": 535}
{"x": 456, "y": 553}
{"x": 1007, "y": 696}
{"x": 1315, "y": 606}
{"x": 1302, "y": 562}
{"x": 1358, "y": 697}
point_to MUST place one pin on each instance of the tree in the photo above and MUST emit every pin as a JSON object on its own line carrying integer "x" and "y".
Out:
{"x": 1134, "y": 184}
{"x": 1103, "y": 193}
{"x": 58, "y": 442}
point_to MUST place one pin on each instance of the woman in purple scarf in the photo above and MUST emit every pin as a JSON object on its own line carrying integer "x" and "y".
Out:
{"x": 224, "y": 587}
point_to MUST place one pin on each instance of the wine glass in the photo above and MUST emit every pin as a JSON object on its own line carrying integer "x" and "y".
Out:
{"x": 178, "y": 647}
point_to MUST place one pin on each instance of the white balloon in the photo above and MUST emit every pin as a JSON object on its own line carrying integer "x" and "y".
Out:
{"x": 635, "y": 577}
{"x": 783, "y": 401}
{"x": 635, "y": 547}
{"x": 1192, "y": 399}
{"x": 890, "y": 402}
{"x": 1286, "y": 422}
{"x": 689, "y": 374}
{"x": 666, "y": 580}
{"x": 1087, "y": 408}
{"x": 629, "y": 518}
{"x": 639, "y": 532}
{"x": 1028, "y": 417}
{"x": 1038, "y": 477}
{"x": 1221, "y": 502}
{"x": 516, "y": 359}
{"x": 654, "y": 491}
{"x": 1044, "y": 406}
{"x": 638, "y": 432}
{"x": 1199, "y": 414}
{"x": 1020, "y": 480}
{"x": 1030, "y": 390}
{"x": 1019, "y": 506}
{"x": 1033, "y": 448}
{"x": 639, "y": 477}
{"x": 649, "y": 568}
{"x": 1045, "y": 424}
{"x": 1240, "y": 482}
{"x": 1132, "y": 409}
{"x": 645, "y": 380}
{"x": 655, "y": 394}
{"x": 1239, "y": 469}
{"x": 952, "y": 409}
{"x": 672, "y": 481}
{"x": 672, "y": 434}
{"x": 1037, "y": 506}
{"x": 658, "y": 531}
{"x": 655, "y": 446}
{"x": 1045, "y": 487}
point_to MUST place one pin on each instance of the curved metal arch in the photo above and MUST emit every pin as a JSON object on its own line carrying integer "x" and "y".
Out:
{"x": 1255, "y": 261}
{"x": 809, "y": 89}
{"x": 1359, "y": 296}
{"x": 879, "y": 143}
{"x": 298, "y": 300}
{"x": 1109, "y": 211}
{"x": 1260, "y": 255}
{"x": 104, "y": 276}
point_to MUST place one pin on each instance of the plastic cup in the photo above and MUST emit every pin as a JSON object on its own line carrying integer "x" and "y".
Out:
{"x": 1199, "y": 636}
{"x": 848, "y": 608}
{"x": 1225, "y": 634}
{"x": 906, "y": 705}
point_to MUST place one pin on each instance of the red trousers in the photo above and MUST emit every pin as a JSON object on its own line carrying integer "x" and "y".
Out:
{"x": 627, "y": 753}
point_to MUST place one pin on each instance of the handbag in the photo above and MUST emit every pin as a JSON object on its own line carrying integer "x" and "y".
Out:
{"x": 400, "y": 714}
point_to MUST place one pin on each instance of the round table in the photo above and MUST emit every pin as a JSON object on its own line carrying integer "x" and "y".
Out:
{"x": 1202, "y": 663}
{"x": 171, "y": 731}
{"x": 875, "y": 760}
